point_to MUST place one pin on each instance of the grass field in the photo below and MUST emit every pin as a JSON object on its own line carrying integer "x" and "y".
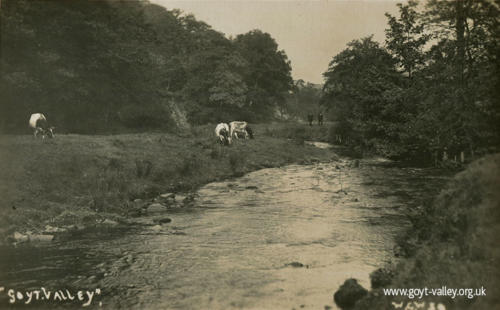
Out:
{"x": 74, "y": 179}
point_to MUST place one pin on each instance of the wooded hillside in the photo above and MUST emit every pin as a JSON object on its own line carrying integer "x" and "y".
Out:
{"x": 109, "y": 66}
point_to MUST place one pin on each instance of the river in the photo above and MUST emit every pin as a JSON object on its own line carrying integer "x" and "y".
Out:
{"x": 279, "y": 238}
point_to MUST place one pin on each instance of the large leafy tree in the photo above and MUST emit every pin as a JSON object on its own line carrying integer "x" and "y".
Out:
{"x": 364, "y": 90}
{"x": 268, "y": 75}
{"x": 452, "y": 101}
{"x": 464, "y": 66}
{"x": 405, "y": 38}
{"x": 229, "y": 90}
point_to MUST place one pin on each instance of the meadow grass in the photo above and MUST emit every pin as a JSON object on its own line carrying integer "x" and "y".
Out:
{"x": 73, "y": 178}
{"x": 299, "y": 132}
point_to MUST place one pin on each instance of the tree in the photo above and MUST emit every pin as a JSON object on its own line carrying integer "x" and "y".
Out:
{"x": 467, "y": 34}
{"x": 303, "y": 99}
{"x": 268, "y": 74}
{"x": 229, "y": 91}
{"x": 452, "y": 101}
{"x": 405, "y": 38}
{"x": 364, "y": 89}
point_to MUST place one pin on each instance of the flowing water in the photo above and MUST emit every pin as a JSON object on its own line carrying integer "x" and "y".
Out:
{"x": 278, "y": 238}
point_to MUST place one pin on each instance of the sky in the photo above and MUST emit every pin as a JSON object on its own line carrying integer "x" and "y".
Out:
{"x": 310, "y": 32}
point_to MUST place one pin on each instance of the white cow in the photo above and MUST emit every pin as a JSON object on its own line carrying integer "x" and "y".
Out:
{"x": 237, "y": 127}
{"x": 222, "y": 133}
{"x": 39, "y": 124}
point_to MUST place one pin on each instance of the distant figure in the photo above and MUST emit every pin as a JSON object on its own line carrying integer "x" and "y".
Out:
{"x": 320, "y": 119}
{"x": 40, "y": 126}
{"x": 310, "y": 118}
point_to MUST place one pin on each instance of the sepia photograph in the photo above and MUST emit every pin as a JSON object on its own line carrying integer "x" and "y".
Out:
{"x": 250, "y": 154}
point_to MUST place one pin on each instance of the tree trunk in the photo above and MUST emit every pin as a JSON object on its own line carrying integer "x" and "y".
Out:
{"x": 460, "y": 31}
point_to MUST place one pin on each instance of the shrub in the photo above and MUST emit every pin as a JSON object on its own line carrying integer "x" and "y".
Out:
{"x": 110, "y": 186}
{"x": 189, "y": 165}
{"x": 298, "y": 135}
{"x": 145, "y": 116}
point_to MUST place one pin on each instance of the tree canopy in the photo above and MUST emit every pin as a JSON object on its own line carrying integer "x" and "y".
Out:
{"x": 103, "y": 66}
{"x": 432, "y": 89}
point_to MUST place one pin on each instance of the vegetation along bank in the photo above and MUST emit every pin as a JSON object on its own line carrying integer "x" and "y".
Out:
{"x": 74, "y": 180}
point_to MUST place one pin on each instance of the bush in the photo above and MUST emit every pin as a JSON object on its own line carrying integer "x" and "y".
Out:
{"x": 298, "y": 135}
{"x": 110, "y": 186}
{"x": 454, "y": 240}
{"x": 189, "y": 165}
{"x": 145, "y": 116}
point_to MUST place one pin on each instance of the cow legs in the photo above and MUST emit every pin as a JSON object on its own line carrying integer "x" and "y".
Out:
{"x": 37, "y": 131}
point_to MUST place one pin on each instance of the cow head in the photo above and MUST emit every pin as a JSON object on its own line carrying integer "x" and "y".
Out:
{"x": 249, "y": 131}
{"x": 225, "y": 135}
{"x": 50, "y": 132}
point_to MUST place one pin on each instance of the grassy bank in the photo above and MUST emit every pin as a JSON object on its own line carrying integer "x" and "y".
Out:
{"x": 299, "y": 132}
{"x": 453, "y": 243}
{"x": 78, "y": 179}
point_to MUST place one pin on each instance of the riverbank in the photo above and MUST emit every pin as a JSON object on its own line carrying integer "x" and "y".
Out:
{"x": 277, "y": 238}
{"x": 453, "y": 243}
{"x": 77, "y": 181}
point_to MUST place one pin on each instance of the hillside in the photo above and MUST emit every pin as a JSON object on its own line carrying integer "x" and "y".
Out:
{"x": 115, "y": 66}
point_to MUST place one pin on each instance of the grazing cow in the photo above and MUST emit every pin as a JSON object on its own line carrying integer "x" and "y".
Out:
{"x": 249, "y": 131}
{"x": 320, "y": 119}
{"x": 222, "y": 133}
{"x": 310, "y": 118}
{"x": 238, "y": 127}
{"x": 40, "y": 125}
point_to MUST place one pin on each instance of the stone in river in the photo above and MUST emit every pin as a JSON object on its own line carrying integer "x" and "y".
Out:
{"x": 165, "y": 220}
{"x": 156, "y": 207}
{"x": 349, "y": 293}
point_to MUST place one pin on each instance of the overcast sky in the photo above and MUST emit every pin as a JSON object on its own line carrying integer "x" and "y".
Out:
{"x": 310, "y": 32}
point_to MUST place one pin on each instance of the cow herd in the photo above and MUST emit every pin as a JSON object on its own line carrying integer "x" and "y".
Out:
{"x": 225, "y": 132}
{"x": 234, "y": 130}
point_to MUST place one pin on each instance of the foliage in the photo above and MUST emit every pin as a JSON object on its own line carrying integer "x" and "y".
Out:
{"x": 268, "y": 74}
{"x": 304, "y": 99}
{"x": 365, "y": 91}
{"x": 102, "y": 66}
{"x": 453, "y": 240}
{"x": 405, "y": 38}
{"x": 420, "y": 98}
